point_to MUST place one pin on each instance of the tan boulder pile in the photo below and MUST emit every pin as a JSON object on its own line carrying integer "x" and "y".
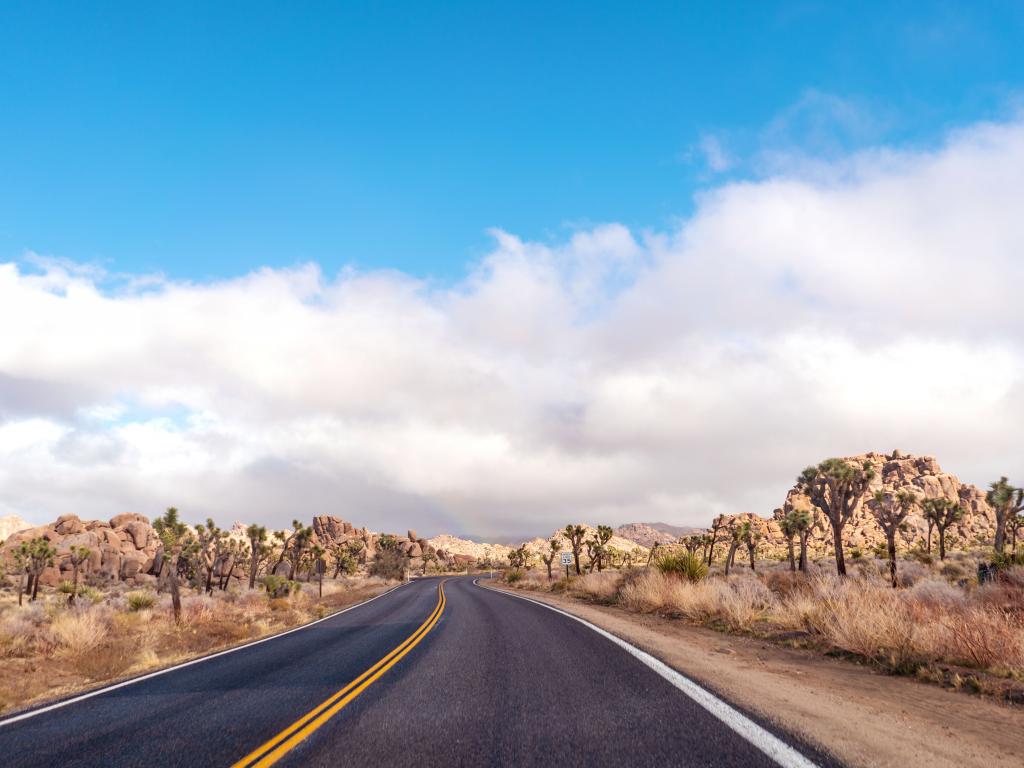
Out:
{"x": 894, "y": 472}
{"x": 329, "y": 531}
{"x": 122, "y": 549}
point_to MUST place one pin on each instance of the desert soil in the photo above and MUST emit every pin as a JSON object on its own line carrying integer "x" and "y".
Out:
{"x": 860, "y": 716}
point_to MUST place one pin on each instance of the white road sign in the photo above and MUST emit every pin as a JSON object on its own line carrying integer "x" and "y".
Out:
{"x": 566, "y": 558}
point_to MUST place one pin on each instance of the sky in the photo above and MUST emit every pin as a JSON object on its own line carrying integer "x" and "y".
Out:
{"x": 483, "y": 268}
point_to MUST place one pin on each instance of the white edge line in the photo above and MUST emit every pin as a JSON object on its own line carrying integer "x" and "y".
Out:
{"x": 764, "y": 740}
{"x": 200, "y": 660}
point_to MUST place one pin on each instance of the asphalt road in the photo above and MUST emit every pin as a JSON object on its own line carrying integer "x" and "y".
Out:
{"x": 480, "y": 679}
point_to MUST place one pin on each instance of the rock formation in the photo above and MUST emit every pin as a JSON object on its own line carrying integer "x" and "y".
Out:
{"x": 647, "y": 535}
{"x": 894, "y": 472}
{"x": 122, "y": 549}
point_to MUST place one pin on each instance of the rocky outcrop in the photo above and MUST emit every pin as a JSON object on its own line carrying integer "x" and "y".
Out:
{"x": 462, "y": 551}
{"x": 329, "y": 531}
{"x": 121, "y": 549}
{"x": 894, "y": 472}
{"x": 11, "y": 524}
{"x": 645, "y": 535}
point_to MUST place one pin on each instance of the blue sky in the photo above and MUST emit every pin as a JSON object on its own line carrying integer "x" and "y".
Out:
{"x": 203, "y": 140}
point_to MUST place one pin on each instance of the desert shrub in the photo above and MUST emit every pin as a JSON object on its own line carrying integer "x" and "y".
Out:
{"x": 389, "y": 564}
{"x": 784, "y": 583}
{"x": 953, "y": 571}
{"x": 279, "y": 604}
{"x": 279, "y": 586}
{"x": 596, "y": 586}
{"x": 75, "y": 632}
{"x": 743, "y": 603}
{"x": 937, "y": 593}
{"x": 512, "y": 577}
{"x": 138, "y": 601}
{"x": 643, "y": 591}
{"x": 683, "y": 565}
{"x": 862, "y": 618}
{"x": 91, "y": 594}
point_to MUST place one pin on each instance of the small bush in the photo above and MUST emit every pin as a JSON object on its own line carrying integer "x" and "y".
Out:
{"x": 684, "y": 565}
{"x": 390, "y": 564}
{"x": 511, "y": 577}
{"x": 139, "y": 601}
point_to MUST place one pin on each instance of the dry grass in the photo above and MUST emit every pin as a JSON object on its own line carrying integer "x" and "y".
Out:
{"x": 50, "y": 649}
{"x": 929, "y": 621}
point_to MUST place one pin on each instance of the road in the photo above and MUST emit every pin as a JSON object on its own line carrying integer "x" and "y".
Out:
{"x": 464, "y": 676}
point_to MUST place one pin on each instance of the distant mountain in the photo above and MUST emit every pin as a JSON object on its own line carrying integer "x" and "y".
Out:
{"x": 648, "y": 534}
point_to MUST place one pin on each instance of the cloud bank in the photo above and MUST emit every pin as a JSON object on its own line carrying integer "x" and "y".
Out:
{"x": 865, "y": 303}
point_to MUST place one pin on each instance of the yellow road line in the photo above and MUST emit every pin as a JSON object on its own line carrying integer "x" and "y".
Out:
{"x": 274, "y": 749}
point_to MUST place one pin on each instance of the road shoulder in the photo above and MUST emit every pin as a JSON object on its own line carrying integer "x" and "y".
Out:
{"x": 862, "y": 717}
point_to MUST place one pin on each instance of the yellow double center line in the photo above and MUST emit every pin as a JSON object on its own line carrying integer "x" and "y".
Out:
{"x": 273, "y": 750}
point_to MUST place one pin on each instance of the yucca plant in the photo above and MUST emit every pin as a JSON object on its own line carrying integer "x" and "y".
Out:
{"x": 685, "y": 565}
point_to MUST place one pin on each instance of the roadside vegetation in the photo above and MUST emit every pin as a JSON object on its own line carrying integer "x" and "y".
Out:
{"x": 951, "y": 616}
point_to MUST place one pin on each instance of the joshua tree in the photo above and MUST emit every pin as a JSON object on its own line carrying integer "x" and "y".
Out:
{"x": 691, "y": 543}
{"x": 1015, "y": 525}
{"x": 345, "y": 557}
{"x": 258, "y": 543}
{"x": 22, "y": 563}
{"x": 574, "y": 534}
{"x": 293, "y": 546}
{"x": 597, "y": 545}
{"x": 1007, "y": 502}
{"x": 716, "y": 526}
{"x": 175, "y": 541}
{"x": 211, "y": 549}
{"x": 801, "y": 522}
{"x": 316, "y": 554}
{"x": 890, "y": 510}
{"x": 940, "y": 514}
{"x": 429, "y": 556}
{"x": 79, "y": 555}
{"x": 40, "y": 556}
{"x": 751, "y": 537}
{"x": 786, "y": 524}
{"x": 517, "y": 558}
{"x": 736, "y": 535}
{"x": 553, "y": 549}
{"x": 836, "y": 487}
{"x": 651, "y": 556}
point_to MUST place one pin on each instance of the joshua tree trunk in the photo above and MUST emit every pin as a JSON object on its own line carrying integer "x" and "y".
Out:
{"x": 729, "y": 557}
{"x": 35, "y": 586}
{"x": 890, "y": 541}
{"x": 253, "y": 565}
{"x": 74, "y": 583}
{"x": 750, "y": 551}
{"x": 803, "y": 551}
{"x": 21, "y": 587}
{"x": 942, "y": 543}
{"x": 837, "y": 538}
{"x": 792, "y": 557}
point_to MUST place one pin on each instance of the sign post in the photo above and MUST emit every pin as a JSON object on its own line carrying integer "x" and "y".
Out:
{"x": 566, "y": 561}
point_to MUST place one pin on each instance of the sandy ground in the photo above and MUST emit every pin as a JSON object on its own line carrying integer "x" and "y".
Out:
{"x": 862, "y": 717}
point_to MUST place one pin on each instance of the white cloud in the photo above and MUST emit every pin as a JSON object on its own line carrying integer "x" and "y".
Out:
{"x": 863, "y": 303}
{"x": 717, "y": 159}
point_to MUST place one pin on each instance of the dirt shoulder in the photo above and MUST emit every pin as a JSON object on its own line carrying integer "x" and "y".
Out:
{"x": 861, "y": 716}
